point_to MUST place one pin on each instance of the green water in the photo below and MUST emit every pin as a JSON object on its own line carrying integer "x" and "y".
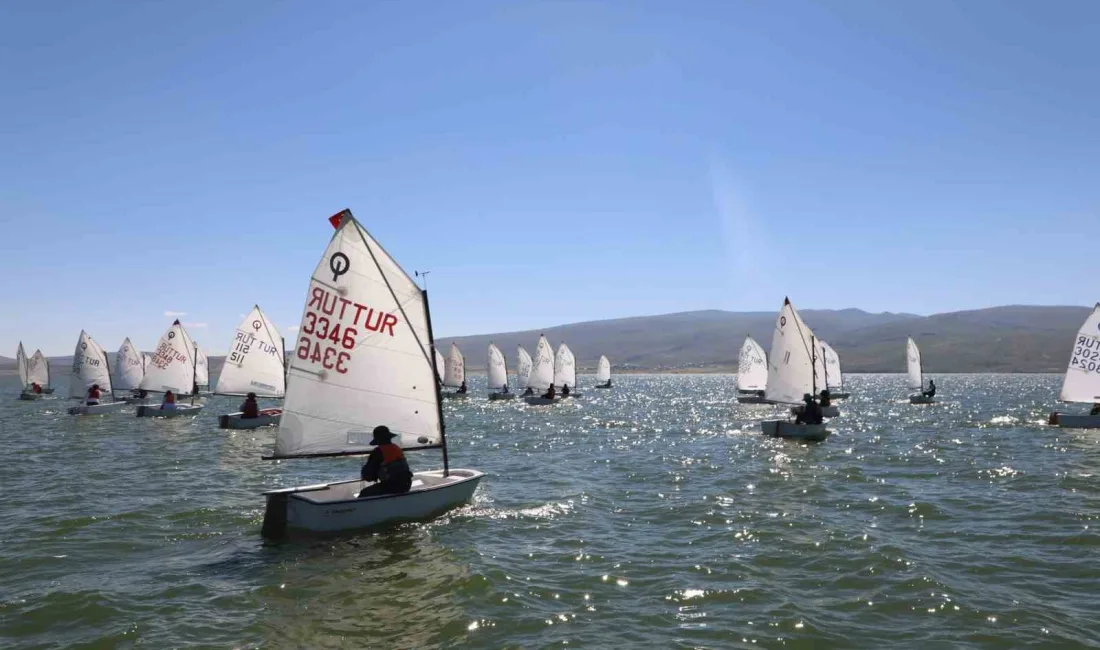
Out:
{"x": 651, "y": 515}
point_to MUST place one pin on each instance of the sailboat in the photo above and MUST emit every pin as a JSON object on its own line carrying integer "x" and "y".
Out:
{"x": 1082, "y": 381}
{"x": 542, "y": 373}
{"x": 603, "y": 372}
{"x": 752, "y": 373}
{"x": 565, "y": 372}
{"x": 129, "y": 371}
{"x": 915, "y": 373}
{"x": 172, "y": 367}
{"x": 380, "y": 372}
{"x": 256, "y": 364}
{"x": 202, "y": 370}
{"x": 455, "y": 374}
{"x": 497, "y": 371}
{"x": 35, "y": 370}
{"x": 91, "y": 368}
{"x": 834, "y": 378}
{"x": 26, "y": 390}
{"x": 792, "y": 373}
{"x": 38, "y": 370}
{"x": 523, "y": 367}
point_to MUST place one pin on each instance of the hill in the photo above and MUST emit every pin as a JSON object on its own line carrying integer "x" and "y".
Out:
{"x": 1013, "y": 338}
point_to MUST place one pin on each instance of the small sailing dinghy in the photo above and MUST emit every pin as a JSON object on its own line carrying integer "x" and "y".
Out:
{"x": 27, "y": 392}
{"x": 792, "y": 373}
{"x": 129, "y": 371}
{"x": 90, "y": 368}
{"x": 377, "y": 369}
{"x": 454, "y": 376}
{"x": 172, "y": 367}
{"x": 834, "y": 378}
{"x": 603, "y": 372}
{"x": 498, "y": 375}
{"x": 35, "y": 370}
{"x": 915, "y": 373}
{"x": 752, "y": 373}
{"x": 821, "y": 371}
{"x": 1082, "y": 380}
{"x": 565, "y": 372}
{"x": 542, "y": 374}
{"x": 256, "y": 364}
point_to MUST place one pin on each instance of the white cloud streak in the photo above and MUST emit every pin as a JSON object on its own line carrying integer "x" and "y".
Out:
{"x": 174, "y": 314}
{"x": 197, "y": 325}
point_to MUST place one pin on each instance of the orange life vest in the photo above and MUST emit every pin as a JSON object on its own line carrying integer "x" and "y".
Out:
{"x": 394, "y": 464}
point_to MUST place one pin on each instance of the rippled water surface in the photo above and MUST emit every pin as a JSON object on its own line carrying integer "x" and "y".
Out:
{"x": 651, "y": 515}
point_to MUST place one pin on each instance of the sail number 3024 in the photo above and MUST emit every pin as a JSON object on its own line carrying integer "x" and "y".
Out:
{"x": 314, "y": 346}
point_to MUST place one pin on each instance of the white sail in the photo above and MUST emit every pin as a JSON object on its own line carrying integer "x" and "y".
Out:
{"x": 362, "y": 355}
{"x": 916, "y": 373}
{"x": 202, "y": 368}
{"x": 752, "y": 366}
{"x": 1082, "y": 382}
{"x": 90, "y": 367}
{"x": 440, "y": 365}
{"x": 833, "y": 376}
{"x": 542, "y": 368}
{"x": 38, "y": 369}
{"x": 791, "y": 362}
{"x": 498, "y": 369}
{"x": 565, "y": 368}
{"x": 523, "y": 367}
{"x": 172, "y": 365}
{"x": 21, "y": 361}
{"x": 255, "y": 360}
{"x": 456, "y": 368}
{"x": 129, "y": 367}
{"x": 603, "y": 370}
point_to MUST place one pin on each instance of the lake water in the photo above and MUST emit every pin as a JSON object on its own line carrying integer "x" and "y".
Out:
{"x": 651, "y": 515}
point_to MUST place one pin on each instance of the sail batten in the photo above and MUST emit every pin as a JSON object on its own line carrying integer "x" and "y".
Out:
{"x": 255, "y": 363}
{"x": 752, "y": 366}
{"x": 1082, "y": 380}
{"x": 90, "y": 367}
{"x": 129, "y": 366}
{"x": 363, "y": 355}
{"x": 523, "y": 367}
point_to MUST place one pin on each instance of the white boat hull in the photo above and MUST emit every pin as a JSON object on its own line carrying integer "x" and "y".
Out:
{"x": 1071, "y": 421}
{"x": 267, "y": 417}
{"x": 493, "y": 397}
{"x": 540, "y": 401}
{"x": 786, "y": 429}
{"x": 831, "y": 411}
{"x": 98, "y": 409}
{"x": 336, "y": 507}
{"x": 181, "y": 410}
{"x": 921, "y": 399}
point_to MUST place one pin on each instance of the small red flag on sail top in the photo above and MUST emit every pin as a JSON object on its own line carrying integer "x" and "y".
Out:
{"x": 338, "y": 218}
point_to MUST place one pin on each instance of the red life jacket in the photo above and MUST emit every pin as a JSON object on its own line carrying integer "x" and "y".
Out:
{"x": 394, "y": 465}
{"x": 93, "y": 393}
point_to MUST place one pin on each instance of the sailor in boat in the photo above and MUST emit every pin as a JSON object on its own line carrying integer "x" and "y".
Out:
{"x": 608, "y": 384}
{"x": 169, "y": 402}
{"x": 565, "y": 390}
{"x": 1095, "y": 409}
{"x": 139, "y": 393}
{"x": 931, "y": 392}
{"x": 249, "y": 408}
{"x": 825, "y": 400}
{"x": 529, "y": 392}
{"x": 811, "y": 412}
{"x": 462, "y": 388}
{"x": 550, "y": 394}
{"x": 504, "y": 389}
{"x": 36, "y": 388}
{"x": 93, "y": 395}
{"x": 386, "y": 465}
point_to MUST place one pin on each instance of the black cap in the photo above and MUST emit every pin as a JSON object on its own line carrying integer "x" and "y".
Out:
{"x": 382, "y": 435}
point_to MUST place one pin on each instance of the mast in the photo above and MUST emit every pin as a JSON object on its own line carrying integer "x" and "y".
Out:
{"x": 438, "y": 392}
{"x": 813, "y": 362}
{"x": 194, "y": 369}
{"x": 107, "y": 363}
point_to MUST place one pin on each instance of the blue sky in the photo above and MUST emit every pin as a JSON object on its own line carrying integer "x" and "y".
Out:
{"x": 549, "y": 162}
